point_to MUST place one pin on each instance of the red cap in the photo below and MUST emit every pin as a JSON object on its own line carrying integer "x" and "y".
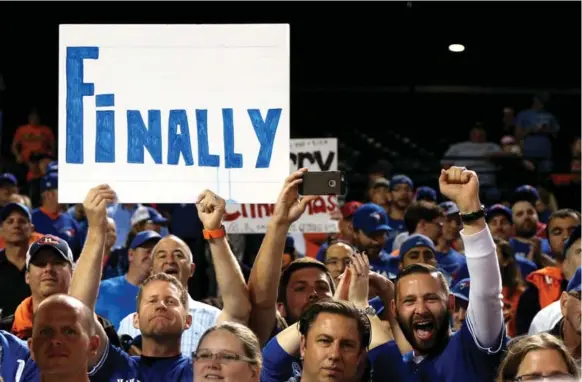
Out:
{"x": 349, "y": 208}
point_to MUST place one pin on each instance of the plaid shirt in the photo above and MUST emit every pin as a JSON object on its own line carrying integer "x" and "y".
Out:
{"x": 203, "y": 317}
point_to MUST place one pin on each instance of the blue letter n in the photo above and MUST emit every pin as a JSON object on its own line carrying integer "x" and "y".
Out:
{"x": 139, "y": 136}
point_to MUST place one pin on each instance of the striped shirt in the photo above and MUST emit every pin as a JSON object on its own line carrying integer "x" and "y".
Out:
{"x": 203, "y": 317}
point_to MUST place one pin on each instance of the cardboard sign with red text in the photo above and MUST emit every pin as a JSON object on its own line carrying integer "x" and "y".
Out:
{"x": 316, "y": 155}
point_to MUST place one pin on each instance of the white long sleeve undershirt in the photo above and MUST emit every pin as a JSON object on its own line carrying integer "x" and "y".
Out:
{"x": 485, "y": 311}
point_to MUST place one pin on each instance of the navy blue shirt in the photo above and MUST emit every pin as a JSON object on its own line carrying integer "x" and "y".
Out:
{"x": 460, "y": 360}
{"x": 522, "y": 249}
{"x": 278, "y": 366}
{"x": 525, "y": 268}
{"x": 398, "y": 227}
{"x": 117, "y": 365}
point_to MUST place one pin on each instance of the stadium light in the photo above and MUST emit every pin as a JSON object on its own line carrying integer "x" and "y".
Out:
{"x": 457, "y": 48}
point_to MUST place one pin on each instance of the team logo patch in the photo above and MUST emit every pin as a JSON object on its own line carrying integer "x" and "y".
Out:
{"x": 48, "y": 240}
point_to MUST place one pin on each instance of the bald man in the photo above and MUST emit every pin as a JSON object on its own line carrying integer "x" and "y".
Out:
{"x": 63, "y": 339}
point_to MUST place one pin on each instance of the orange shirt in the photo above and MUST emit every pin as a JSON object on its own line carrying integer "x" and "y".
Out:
{"x": 34, "y": 139}
{"x": 34, "y": 237}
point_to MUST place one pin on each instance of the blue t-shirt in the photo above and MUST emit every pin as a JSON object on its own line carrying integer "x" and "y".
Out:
{"x": 278, "y": 366}
{"x": 117, "y": 365}
{"x": 117, "y": 299}
{"x": 15, "y": 362}
{"x": 450, "y": 262}
{"x": 461, "y": 360}
{"x": 522, "y": 249}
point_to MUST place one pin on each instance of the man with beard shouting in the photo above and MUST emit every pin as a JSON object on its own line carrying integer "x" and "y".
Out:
{"x": 423, "y": 304}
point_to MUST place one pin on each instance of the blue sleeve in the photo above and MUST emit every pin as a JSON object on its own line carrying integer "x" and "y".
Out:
{"x": 321, "y": 253}
{"x": 278, "y": 366}
{"x": 387, "y": 363}
{"x": 14, "y": 358}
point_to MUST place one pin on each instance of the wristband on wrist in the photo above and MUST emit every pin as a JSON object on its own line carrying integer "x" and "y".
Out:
{"x": 472, "y": 216}
{"x": 210, "y": 234}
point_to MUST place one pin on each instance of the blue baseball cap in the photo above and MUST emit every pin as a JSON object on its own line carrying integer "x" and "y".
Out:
{"x": 461, "y": 289}
{"x": 575, "y": 235}
{"x": 525, "y": 193}
{"x": 371, "y": 218}
{"x": 8, "y": 178}
{"x": 49, "y": 182}
{"x": 143, "y": 213}
{"x": 52, "y": 167}
{"x": 426, "y": 193}
{"x": 499, "y": 209}
{"x": 144, "y": 237}
{"x": 400, "y": 179}
{"x": 449, "y": 208}
{"x": 49, "y": 241}
{"x": 574, "y": 285}
{"x": 11, "y": 207}
{"x": 415, "y": 241}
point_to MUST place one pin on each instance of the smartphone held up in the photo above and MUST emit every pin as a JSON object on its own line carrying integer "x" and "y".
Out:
{"x": 323, "y": 183}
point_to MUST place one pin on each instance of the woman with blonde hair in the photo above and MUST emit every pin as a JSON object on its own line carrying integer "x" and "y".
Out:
{"x": 229, "y": 352}
{"x": 539, "y": 357}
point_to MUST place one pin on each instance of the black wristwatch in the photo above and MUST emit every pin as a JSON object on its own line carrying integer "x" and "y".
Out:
{"x": 471, "y": 217}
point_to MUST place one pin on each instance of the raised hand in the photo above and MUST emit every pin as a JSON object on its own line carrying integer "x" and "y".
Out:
{"x": 289, "y": 206}
{"x": 360, "y": 279}
{"x": 462, "y": 187}
{"x": 211, "y": 209}
{"x": 95, "y": 205}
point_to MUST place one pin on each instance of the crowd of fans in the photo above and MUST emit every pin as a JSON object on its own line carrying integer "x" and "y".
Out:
{"x": 419, "y": 284}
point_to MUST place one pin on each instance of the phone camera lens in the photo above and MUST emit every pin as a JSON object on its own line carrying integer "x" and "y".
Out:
{"x": 331, "y": 183}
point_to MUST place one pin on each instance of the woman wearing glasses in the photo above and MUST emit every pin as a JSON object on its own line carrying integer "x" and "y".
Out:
{"x": 229, "y": 352}
{"x": 537, "y": 358}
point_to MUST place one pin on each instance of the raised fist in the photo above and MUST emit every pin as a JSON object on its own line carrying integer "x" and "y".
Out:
{"x": 462, "y": 187}
{"x": 211, "y": 209}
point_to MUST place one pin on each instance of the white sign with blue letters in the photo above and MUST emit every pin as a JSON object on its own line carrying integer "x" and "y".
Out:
{"x": 162, "y": 112}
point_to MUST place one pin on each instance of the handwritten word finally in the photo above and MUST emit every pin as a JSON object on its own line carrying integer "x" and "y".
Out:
{"x": 143, "y": 136}
{"x": 320, "y": 205}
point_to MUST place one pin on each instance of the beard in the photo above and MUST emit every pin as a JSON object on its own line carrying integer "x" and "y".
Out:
{"x": 527, "y": 229}
{"x": 438, "y": 326}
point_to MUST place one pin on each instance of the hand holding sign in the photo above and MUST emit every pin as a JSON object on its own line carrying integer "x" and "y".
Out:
{"x": 210, "y": 209}
{"x": 95, "y": 205}
{"x": 462, "y": 187}
{"x": 289, "y": 207}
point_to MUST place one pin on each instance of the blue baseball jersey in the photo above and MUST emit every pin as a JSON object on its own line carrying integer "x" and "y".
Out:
{"x": 384, "y": 265}
{"x": 61, "y": 225}
{"x": 278, "y": 366}
{"x": 117, "y": 366}
{"x": 460, "y": 360}
{"x": 15, "y": 362}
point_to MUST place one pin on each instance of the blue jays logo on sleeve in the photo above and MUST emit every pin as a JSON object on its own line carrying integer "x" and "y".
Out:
{"x": 464, "y": 284}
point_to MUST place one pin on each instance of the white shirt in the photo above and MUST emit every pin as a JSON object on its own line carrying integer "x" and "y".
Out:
{"x": 546, "y": 319}
{"x": 203, "y": 317}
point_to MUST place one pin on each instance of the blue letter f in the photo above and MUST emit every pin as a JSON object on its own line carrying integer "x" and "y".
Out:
{"x": 76, "y": 90}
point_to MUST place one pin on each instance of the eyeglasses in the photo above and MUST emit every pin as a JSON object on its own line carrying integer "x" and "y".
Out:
{"x": 555, "y": 377}
{"x": 224, "y": 357}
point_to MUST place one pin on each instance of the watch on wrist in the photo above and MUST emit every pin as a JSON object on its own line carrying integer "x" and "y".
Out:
{"x": 472, "y": 216}
{"x": 368, "y": 311}
{"x": 210, "y": 234}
